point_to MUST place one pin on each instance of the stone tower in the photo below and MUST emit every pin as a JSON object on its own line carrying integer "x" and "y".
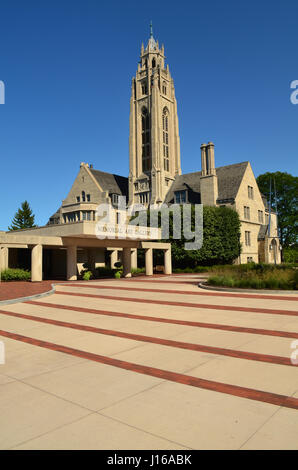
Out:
{"x": 154, "y": 143}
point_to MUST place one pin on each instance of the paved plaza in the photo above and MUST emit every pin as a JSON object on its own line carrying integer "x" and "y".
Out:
{"x": 149, "y": 363}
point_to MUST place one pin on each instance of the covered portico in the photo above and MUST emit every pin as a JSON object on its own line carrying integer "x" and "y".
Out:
{"x": 71, "y": 239}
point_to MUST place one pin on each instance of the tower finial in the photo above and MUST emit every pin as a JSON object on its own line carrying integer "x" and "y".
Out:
{"x": 151, "y": 29}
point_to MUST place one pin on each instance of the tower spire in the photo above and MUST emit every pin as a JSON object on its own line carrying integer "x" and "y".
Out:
{"x": 151, "y": 30}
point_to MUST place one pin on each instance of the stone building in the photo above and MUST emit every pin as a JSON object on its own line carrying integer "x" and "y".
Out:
{"x": 155, "y": 173}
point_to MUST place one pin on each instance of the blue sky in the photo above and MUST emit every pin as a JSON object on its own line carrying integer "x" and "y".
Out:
{"x": 67, "y": 68}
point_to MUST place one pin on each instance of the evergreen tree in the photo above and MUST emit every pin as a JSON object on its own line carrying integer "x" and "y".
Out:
{"x": 24, "y": 218}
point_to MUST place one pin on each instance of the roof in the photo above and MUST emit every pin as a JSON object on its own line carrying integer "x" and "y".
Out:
{"x": 56, "y": 214}
{"x": 113, "y": 184}
{"x": 229, "y": 180}
{"x": 265, "y": 201}
{"x": 262, "y": 232}
{"x": 190, "y": 181}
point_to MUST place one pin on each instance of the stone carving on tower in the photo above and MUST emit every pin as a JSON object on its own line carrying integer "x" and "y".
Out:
{"x": 154, "y": 143}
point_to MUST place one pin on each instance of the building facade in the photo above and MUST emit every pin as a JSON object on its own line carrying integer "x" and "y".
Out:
{"x": 155, "y": 175}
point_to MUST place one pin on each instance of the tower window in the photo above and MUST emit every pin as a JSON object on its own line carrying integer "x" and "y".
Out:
{"x": 165, "y": 136}
{"x": 144, "y": 198}
{"x": 164, "y": 88}
{"x": 153, "y": 63}
{"x": 144, "y": 88}
{"x": 146, "y": 145}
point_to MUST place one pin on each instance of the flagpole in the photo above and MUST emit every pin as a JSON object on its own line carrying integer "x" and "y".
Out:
{"x": 269, "y": 223}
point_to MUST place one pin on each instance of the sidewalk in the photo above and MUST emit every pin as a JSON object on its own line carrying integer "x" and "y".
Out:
{"x": 17, "y": 289}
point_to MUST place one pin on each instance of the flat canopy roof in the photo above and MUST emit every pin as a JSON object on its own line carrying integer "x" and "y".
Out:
{"x": 80, "y": 234}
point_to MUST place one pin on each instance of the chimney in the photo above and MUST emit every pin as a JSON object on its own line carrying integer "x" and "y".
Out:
{"x": 208, "y": 180}
{"x": 203, "y": 159}
{"x": 210, "y": 159}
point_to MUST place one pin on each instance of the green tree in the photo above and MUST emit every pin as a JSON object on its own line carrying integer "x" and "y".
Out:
{"x": 221, "y": 240}
{"x": 24, "y": 218}
{"x": 286, "y": 188}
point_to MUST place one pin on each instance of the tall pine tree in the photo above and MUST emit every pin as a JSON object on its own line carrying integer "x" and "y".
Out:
{"x": 24, "y": 218}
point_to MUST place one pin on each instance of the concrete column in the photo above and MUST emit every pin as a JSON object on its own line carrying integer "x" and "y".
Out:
{"x": 126, "y": 259}
{"x": 167, "y": 261}
{"x": 3, "y": 258}
{"x": 134, "y": 258}
{"x": 71, "y": 263}
{"x": 149, "y": 261}
{"x": 36, "y": 263}
{"x": 114, "y": 258}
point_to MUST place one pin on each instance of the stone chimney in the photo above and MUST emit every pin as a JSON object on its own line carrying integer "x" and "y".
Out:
{"x": 208, "y": 180}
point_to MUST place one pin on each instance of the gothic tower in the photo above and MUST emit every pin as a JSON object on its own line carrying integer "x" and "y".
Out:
{"x": 154, "y": 143}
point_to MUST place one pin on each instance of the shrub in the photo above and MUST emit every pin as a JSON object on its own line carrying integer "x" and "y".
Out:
{"x": 10, "y": 274}
{"x": 117, "y": 275}
{"x": 137, "y": 270}
{"x": 103, "y": 271}
{"x": 255, "y": 276}
{"x": 87, "y": 275}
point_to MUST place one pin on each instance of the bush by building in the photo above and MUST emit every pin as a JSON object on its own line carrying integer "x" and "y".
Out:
{"x": 10, "y": 274}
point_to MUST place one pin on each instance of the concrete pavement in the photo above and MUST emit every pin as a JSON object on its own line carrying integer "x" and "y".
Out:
{"x": 149, "y": 364}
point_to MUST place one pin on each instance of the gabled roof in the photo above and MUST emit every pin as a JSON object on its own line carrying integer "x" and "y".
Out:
{"x": 190, "y": 181}
{"x": 113, "y": 184}
{"x": 229, "y": 180}
{"x": 262, "y": 232}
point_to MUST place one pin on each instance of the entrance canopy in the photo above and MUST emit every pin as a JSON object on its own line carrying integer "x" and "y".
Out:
{"x": 78, "y": 235}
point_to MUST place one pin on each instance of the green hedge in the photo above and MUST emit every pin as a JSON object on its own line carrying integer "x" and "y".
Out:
{"x": 15, "y": 275}
{"x": 237, "y": 268}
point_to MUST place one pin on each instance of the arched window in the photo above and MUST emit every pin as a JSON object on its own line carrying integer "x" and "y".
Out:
{"x": 153, "y": 63}
{"x": 83, "y": 196}
{"x": 165, "y": 136}
{"x": 164, "y": 88}
{"x": 146, "y": 144}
